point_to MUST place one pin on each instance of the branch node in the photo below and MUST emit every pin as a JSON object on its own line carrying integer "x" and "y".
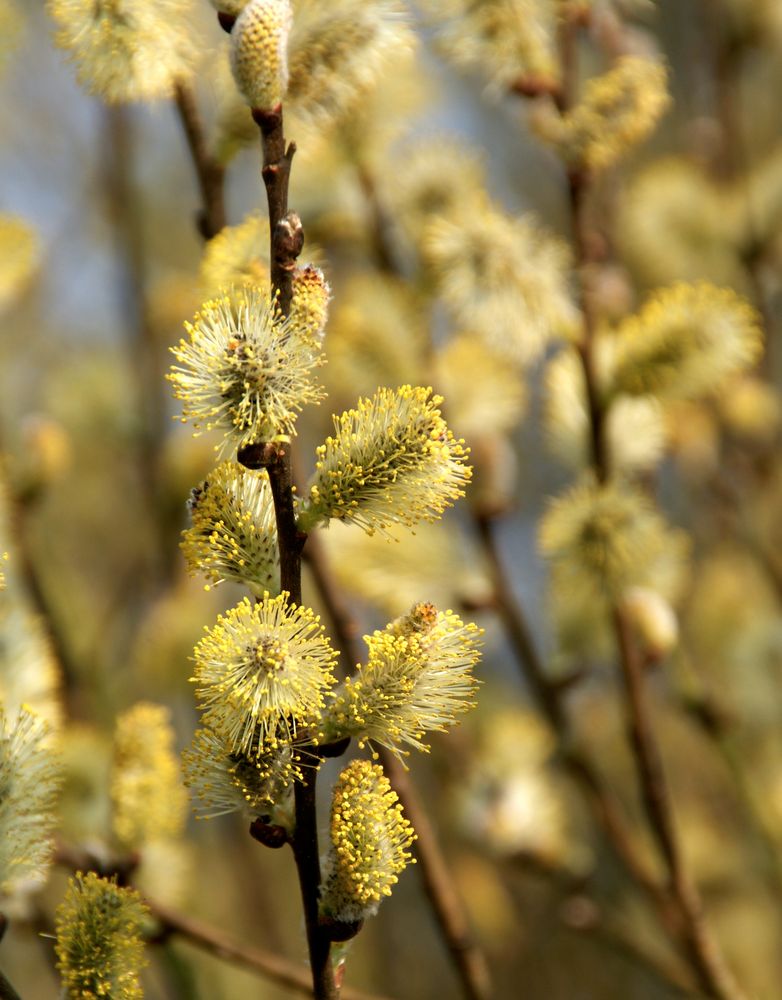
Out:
{"x": 267, "y": 120}
{"x": 269, "y": 834}
{"x": 226, "y": 21}
{"x": 339, "y": 930}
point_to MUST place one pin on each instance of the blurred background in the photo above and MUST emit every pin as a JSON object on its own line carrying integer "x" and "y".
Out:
{"x": 101, "y": 261}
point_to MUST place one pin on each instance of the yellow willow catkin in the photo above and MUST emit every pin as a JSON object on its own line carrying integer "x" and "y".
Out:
{"x": 259, "y": 58}
{"x": 417, "y": 679}
{"x": 100, "y": 950}
{"x": 225, "y": 780}
{"x": 618, "y": 111}
{"x": 602, "y": 538}
{"x": 244, "y": 370}
{"x": 126, "y": 50}
{"x": 262, "y": 672}
{"x": 29, "y": 785}
{"x": 337, "y": 51}
{"x": 501, "y": 39}
{"x": 685, "y": 342}
{"x": 370, "y": 841}
{"x": 233, "y": 532}
{"x": 392, "y": 460}
{"x": 146, "y": 788}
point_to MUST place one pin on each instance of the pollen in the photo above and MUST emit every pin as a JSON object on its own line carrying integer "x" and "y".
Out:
{"x": 262, "y": 673}
{"x": 100, "y": 950}
{"x": 370, "y": 841}
{"x": 418, "y": 678}
{"x": 392, "y": 460}
{"x": 244, "y": 370}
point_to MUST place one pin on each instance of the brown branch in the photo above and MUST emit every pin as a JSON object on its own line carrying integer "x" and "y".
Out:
{"x": 7, "y": 992}
{"x": 438, "y": 883}
{"x": 583, "y": 916}
{"x": 714, "y": 976}
{"x": 548, "y": 697}
{"x": 269, "y": 965}
{"x": 286, "y": 237}
{"x": 39, "y": 597}
{"x": 307, "y": 856}
{"x": 581, "y": 912}
{"x": 704, "y": 955}
{"x": 286, "y": 240}
{"x": 209, "y": 173}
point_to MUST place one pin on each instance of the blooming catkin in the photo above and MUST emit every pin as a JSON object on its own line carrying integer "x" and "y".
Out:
{"x": 233, "y": 533}
{"x": 99, "y": 947}
{"x": 392, "y": 460}
{"x": 685, "y": 341}
{"x": 602, "y": 539}
{"x": 501, "y": 39}
{"x": 262, "y": 673}
{"x": 126, "y": 50}
{"x": 501, "y": 277}
{"x": 227, "y": 781}
{"x": 417, "y": 679}
{"x": 337, "y": 50}
{"x": 617, "y": 112}
{"x": 370, "y": 841}
{"x": 237, "y": 255}
{"x": 29, "y": 672}
{"x": 29, "y": 782}
{"x": 259, "y": 58}
{"x": 245, "y": 370}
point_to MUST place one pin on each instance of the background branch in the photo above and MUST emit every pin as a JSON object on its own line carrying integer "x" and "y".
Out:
{"x": 713, "y": 974}
{"x": 209, "y": 173}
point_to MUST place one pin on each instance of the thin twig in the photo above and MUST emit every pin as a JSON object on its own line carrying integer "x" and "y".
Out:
{"x": 7, "y": 992}
{"x": 37, "y": 592}
{"x": 210, "y": 173}
{"x": 705, "y": 957}
{"x": 286, "y": 238}
{"x": 269, "y": 965}
{"x": 713, "y": 973}
{"x": 625, "y": 946}
{"x": 548, "y": 698}
{"x": 582, "y": 913}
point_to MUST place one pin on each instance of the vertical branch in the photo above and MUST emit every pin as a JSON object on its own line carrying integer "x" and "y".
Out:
{"x": 287, "y": 238}
{"x": 7, "y": 992}
{"x": 713, "y": 975}
{"x": 548, "y": 697}
{"x": 305, "y": 852}
{"x": 209, "y": 173}
{"x": 35, "y": 587}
